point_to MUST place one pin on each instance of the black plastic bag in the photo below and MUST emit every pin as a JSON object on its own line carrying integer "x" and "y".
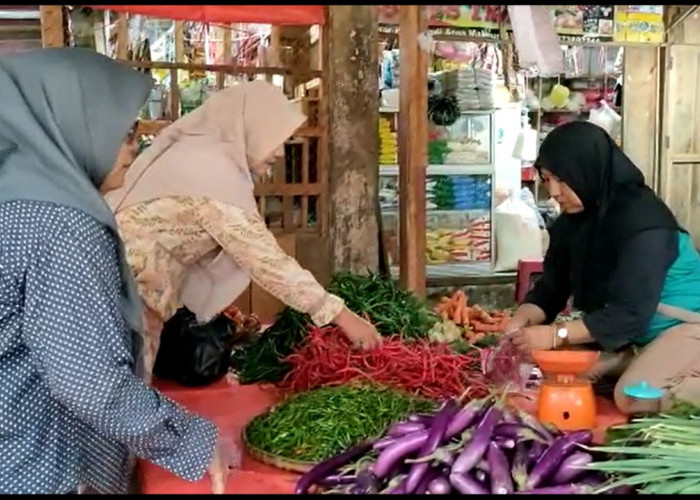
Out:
{"x": 193, "y": 353}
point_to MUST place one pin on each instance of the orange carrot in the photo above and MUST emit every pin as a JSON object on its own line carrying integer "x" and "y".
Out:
{"x": 486, "y": 327}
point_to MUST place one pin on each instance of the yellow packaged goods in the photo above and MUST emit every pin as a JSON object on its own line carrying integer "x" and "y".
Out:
{"x": 438, "y": 246}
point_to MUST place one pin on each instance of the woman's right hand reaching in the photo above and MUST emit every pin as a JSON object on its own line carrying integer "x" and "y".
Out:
{"x": 361, "y": 332}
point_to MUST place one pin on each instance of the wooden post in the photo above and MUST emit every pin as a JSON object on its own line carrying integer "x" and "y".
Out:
{"x": 122, "y": 36}
{"x": 51, "y": 18}
{"x": 352, "y": 115}
{"x": 413, "y": 148}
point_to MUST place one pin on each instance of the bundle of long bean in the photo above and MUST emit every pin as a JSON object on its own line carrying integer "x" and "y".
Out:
{"x": 658, "y": 455}
{"x": 392, "y": 310}
{"x": 262, "y": 360}
{"x": 317, "y": 425}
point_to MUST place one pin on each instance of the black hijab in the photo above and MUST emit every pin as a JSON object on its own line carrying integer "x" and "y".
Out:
{"x": 617, "y": 205}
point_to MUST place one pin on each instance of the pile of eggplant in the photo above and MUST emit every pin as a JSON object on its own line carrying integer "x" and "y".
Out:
{"x": 484, "y": 447}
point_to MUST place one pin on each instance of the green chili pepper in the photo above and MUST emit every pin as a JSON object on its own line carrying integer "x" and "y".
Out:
{"x": 317, "y": 425}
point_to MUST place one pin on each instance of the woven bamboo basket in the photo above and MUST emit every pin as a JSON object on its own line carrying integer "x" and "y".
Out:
{"x": 286, "y": 464}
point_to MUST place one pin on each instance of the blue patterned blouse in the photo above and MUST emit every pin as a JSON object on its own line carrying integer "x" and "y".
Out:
{"x": 72, "y": 411}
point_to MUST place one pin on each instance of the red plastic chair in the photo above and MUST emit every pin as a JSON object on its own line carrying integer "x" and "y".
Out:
{"x": 528, "y": 273}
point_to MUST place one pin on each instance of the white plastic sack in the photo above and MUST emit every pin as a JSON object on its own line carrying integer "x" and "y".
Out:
{"x": 607, "y": 119}
{"x": 518, "y": 236}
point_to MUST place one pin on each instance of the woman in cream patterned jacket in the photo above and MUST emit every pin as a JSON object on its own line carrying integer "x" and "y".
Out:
{"x": 188, "y": 217}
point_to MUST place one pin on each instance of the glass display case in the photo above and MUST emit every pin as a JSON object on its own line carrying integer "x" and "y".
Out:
{"x": 459, "y": 199}
{"x": 465, "y": 142}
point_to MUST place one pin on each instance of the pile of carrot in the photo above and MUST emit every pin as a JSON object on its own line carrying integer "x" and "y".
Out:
{"x": 474, "y": 318}
{"x": 419, "y": 367}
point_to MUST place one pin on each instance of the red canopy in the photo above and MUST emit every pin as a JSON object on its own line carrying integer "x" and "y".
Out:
{"x": 260, "y": 14}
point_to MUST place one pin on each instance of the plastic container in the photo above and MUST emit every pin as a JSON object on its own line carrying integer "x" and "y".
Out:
{"x": 644, "y": 398}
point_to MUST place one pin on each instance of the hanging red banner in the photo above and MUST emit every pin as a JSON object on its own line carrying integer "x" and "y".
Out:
{"x": 258, "y": 14}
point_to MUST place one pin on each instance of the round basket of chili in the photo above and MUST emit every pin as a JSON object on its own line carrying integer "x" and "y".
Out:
{"x": 310, "y": 427}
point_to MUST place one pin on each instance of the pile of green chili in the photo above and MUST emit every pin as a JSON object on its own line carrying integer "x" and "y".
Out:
{"x": 316, "y": 425}
{"x": 391, "y": 309}
{"x": 261, "y": 361}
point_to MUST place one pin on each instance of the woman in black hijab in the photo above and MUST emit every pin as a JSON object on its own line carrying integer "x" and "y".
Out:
{"x": 632, "y": 270}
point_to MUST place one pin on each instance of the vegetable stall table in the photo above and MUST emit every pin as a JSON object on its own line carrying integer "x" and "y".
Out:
{"x": 230, "y": 406}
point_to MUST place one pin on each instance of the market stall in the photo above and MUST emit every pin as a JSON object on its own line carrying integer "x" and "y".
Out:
{"x": 485, "y": 117}
{"x": 446, "y": 403}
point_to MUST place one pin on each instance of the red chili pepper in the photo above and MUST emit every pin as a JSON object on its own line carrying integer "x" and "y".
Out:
{"x": 430, "y": 370}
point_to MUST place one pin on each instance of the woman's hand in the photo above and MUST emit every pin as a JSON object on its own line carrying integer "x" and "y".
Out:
{"x": 515, "y": 324}
{"x": 225, "y": 457}
{"x": 534, "y": 338}
{"x": 361, "y": 333}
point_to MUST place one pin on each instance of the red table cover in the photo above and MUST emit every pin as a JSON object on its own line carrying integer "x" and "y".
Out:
{"x": 230, "y": 407}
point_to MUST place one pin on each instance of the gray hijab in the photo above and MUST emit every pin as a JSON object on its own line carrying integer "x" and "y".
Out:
{"x": 64, "y": 113}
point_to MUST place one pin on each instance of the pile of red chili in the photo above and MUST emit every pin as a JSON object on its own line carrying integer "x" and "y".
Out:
{"x": 419, "y": 367}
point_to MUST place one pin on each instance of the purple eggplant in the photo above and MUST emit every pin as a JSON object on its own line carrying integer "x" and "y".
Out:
{"x": 440, "y": 486}
{"x": 476, "y": 448}
{"x": 504, "y": 442}
{"x": 399, "y": 489}
{"x": 564, "y": 489}
{"x": 435, "y": 437}
{"x": 554, "y": 455}
{"x": 423, "y": 418}
{"x": 366, "y": 484}
{"x": 337, "y": 480}
{"x": 431, "y": 474}
{"x": 393, "y": 454}
{"x": 571, "y": 467}
{"x": 537, "y": 426}
{"x": 499, "y": 471}
{"x": 403, "y": 428}
{"x": 481, "y": 475}
{"x": 329, "y": 466}
{"x": 465, "y": 417}
{"x": 519, "y": 432}
{"x": 518, "y": 470}
{"x": 467, "y": 485}
{"x": 382, "y": 443}
{"x": 535, "y": 451}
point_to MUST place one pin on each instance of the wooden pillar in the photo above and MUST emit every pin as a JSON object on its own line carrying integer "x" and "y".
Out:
{"x": 352, "y": 116}
{"x": 122, "y": 36}
{"x": 51, "y": 18}
{"x": 413, "y": 148}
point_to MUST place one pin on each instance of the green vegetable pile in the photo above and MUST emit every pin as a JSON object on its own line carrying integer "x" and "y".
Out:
{"x": 261, "y": 361}
{"x": 391, "y": 309}
{"x": 657, "y": 455}
{"x": 313, "y": 426}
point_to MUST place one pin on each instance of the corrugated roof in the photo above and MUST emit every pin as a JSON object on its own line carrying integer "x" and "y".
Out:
{"x": 19, "y": 12}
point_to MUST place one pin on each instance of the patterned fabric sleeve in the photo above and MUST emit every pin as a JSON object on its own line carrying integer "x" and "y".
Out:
{"x": 245, "y": 237}
{"x": 74, "y": 326}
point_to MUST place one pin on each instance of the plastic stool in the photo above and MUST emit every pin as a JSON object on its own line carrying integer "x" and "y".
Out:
{"x": 528, "y": 272}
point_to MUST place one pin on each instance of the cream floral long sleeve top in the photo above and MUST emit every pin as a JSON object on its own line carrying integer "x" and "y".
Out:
{"x": 165, "y": 236}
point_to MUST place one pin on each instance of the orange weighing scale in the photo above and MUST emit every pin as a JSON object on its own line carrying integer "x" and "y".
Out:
{"x": 566, "y": 399}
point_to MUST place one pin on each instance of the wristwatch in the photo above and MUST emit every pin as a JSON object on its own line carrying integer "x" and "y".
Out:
{"x": 561, "y": 334}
